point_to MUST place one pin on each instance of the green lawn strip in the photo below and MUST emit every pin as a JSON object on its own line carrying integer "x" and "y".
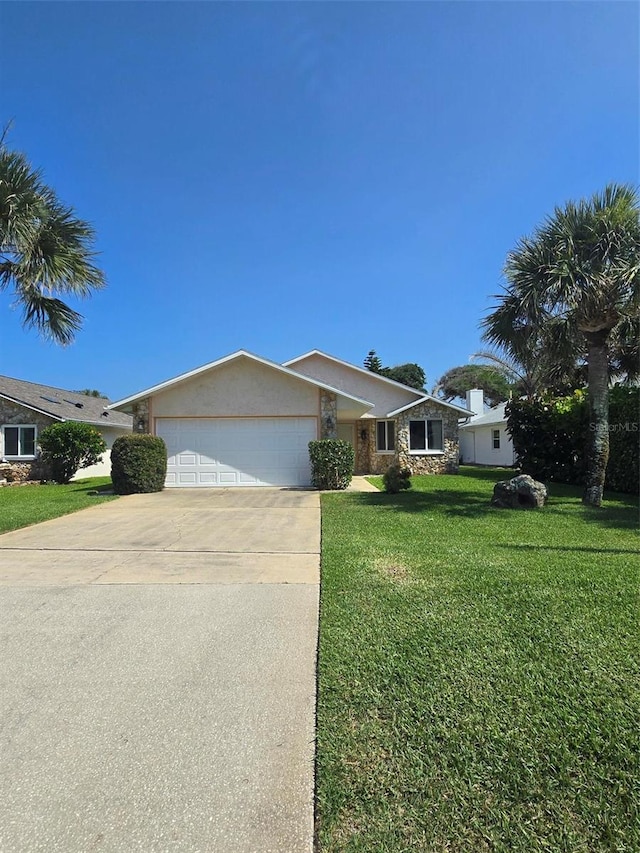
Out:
{"x": 21, "y": 506}
{"x": 478, "y": 672}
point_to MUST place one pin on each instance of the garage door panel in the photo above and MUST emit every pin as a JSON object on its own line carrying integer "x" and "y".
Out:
{"x": 237, "y": 452}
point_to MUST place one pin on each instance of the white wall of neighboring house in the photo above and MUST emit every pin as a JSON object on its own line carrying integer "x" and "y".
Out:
{"x": 484, "y": 439}
{"x": 102, "y": 469}
{"x": 477, "y": 446}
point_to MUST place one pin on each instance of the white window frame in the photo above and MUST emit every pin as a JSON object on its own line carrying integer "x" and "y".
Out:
{"x": 19, "y": 427}
{"x": 428, "y": 451}
{"x": 495, "y": 436}
{"x": 386, "y": 423}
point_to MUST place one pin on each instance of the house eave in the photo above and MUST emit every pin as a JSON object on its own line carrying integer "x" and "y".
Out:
{"x": 184, "y": 377}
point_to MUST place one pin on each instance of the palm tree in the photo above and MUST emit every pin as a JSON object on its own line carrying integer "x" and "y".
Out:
{"x": 45, "y": 250}
{"x": 576, "y": 282}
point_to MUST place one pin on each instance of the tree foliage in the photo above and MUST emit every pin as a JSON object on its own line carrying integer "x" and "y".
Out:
{"x": 68, "y": 446}
{"x": 551, "y": 438}
{"x": 458, "y": 380}
{"x": 92, "y": 392}
{"x": 410, "y": 374}
{"x": 573, "y": 289}
{"x": 45, "y": 250}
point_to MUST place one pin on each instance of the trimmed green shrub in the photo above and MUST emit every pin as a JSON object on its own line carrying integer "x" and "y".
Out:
{"x": 138, "y": 464}
{"x": 332, "y": 462}
{"x": 550, "y": 438}
{"x": 69, "y": 446}
{"x": 396, "y": 479}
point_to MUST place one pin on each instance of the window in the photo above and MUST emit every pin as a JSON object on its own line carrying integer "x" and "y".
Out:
{"x": 19, "y": 441}
{"x": 425, "y": 436}
{"x": 495, "y": 436}
{"x": 385, "y": 436}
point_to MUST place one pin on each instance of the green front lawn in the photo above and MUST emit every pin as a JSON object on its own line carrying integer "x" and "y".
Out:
{"x": 24, "y": 505}
{"x": 478, "y": 672}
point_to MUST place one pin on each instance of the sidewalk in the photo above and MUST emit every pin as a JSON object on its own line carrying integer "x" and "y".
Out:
{"x": 361, "y": 484}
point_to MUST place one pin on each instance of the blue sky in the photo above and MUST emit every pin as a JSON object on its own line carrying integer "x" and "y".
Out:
{"x": 281, "y": 177}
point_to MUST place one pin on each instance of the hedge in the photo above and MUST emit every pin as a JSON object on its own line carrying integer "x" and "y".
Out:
{"x": 550, "y": 438}
{"x": 332, "y": 462}
{"x": 138, "y": 464}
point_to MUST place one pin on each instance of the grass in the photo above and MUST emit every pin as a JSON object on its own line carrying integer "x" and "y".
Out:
{"x": 24, "y": 505}
{"x": 478, "y": 672}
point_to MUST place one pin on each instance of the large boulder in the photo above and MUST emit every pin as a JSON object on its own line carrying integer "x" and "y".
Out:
{"x": 521, "y": 492}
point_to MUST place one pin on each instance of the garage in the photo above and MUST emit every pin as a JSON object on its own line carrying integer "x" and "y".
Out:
{"x": 258, "y": 451}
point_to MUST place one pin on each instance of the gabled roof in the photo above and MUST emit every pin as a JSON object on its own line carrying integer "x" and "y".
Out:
{"x": 427, "y": 398}
{"x": 231, "y": 357}
{"x": 61, "y": 405}
{"x": 496, "y": 415}
{"x": 421, "y": 397}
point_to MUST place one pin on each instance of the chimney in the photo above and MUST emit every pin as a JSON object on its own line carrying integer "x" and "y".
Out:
{"x": 475, "y": 401}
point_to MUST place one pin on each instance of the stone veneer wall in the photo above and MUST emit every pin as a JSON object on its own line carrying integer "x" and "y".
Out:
{"x": 362, "y": 447}
{"x": 328, "y": 414}
{"x": 372, "y": 462}
{"x": 140, "y": 412}
{"x": 20, "y": 471}
{"x": 441, "y": 463}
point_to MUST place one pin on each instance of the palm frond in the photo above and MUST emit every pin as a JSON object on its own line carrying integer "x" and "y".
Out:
{"x": 45, "y": 249}
{"x": 51, "y": 317}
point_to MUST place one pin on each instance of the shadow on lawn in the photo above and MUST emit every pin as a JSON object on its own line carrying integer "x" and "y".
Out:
{"x": 89, "y": 488}
{"x": 461, "y": 503}
{"x": 568, "y": 548}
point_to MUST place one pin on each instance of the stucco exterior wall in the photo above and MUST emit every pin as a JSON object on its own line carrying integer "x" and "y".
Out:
{"x": 241, "y": 388}
{"x": 386, "y": 397}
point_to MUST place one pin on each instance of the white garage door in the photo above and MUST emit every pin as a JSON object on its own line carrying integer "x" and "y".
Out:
{"x": 237, "y": 451}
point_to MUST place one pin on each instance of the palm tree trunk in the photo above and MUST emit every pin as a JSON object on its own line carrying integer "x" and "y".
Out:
{"x": 598, "y": 443}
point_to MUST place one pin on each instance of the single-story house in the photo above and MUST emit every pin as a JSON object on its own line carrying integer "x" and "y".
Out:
{"x": 26, "y": 408}
{"x": 484, "y": 439}
{"x": 246, "y": 421}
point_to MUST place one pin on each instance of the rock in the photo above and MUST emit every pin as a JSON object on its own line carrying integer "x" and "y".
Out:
{"x": 521, "y": 492}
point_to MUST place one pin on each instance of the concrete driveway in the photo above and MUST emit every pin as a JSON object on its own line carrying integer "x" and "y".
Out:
{"x": 157, "y": 684}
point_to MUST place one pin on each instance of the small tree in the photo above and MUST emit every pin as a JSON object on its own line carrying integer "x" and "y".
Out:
{"x": 69, "y": 446}
{"x": 372, "y": 362}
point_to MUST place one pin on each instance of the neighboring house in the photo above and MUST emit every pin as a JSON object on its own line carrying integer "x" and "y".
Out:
{"x": 246, "y": 421}
{"x": 27, "y": 408}
{"x": 484, "y": 439}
